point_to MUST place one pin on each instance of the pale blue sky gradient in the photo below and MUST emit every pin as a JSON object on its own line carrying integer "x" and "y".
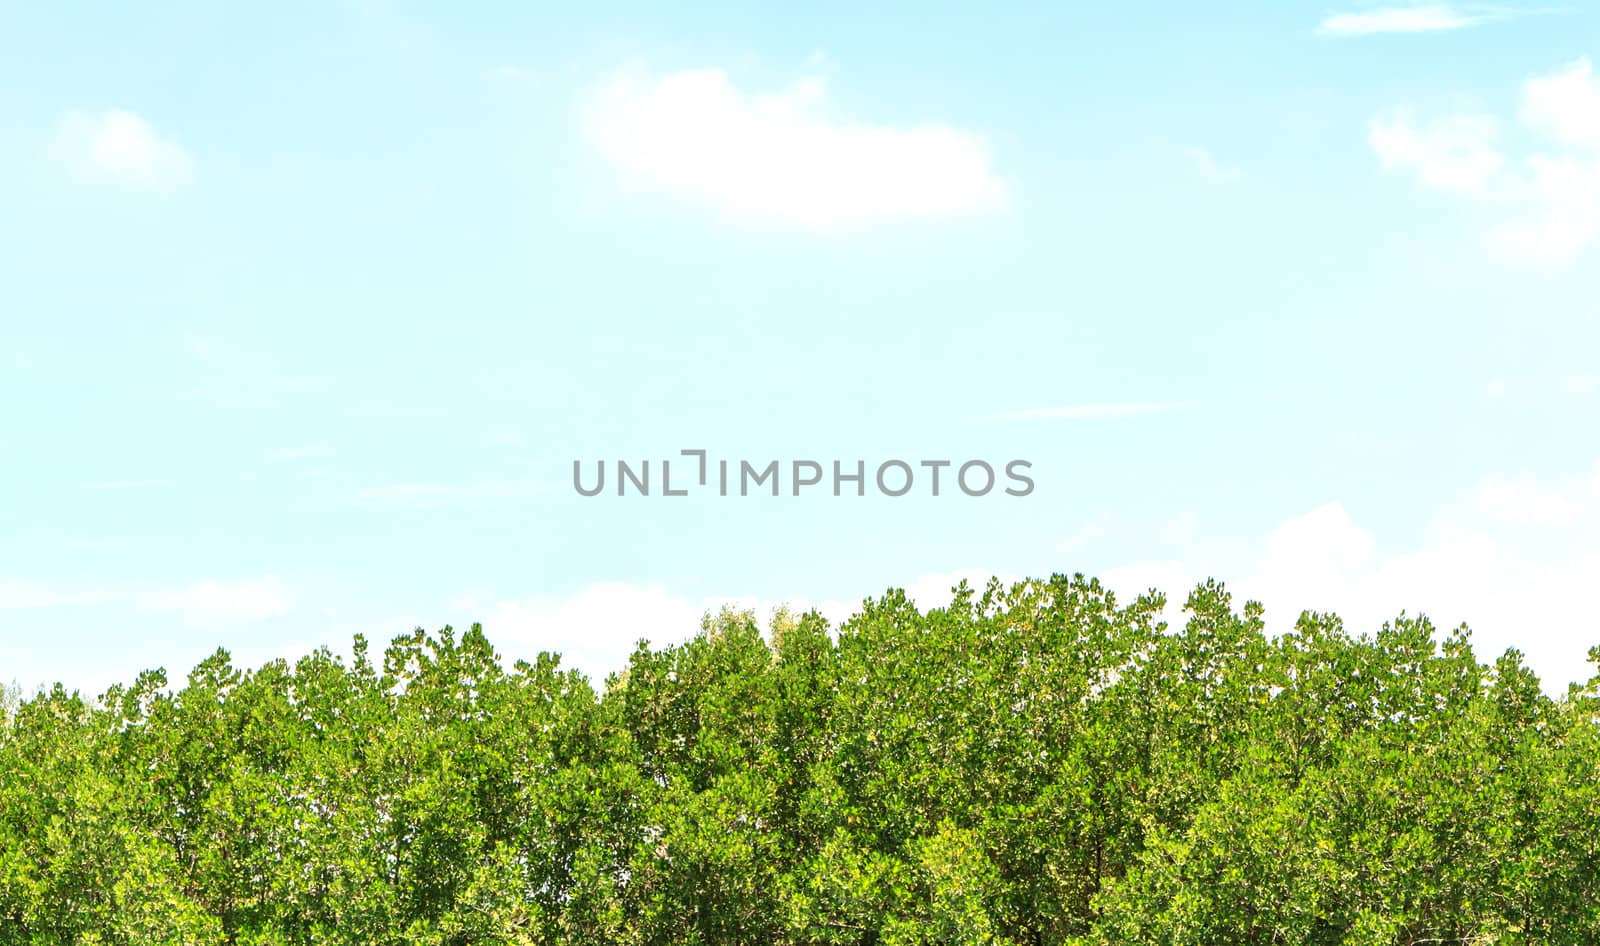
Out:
{"x": 315, "y": 354}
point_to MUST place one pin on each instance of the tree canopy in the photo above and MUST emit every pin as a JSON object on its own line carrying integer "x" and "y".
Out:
{"x": 1033, "y": 765}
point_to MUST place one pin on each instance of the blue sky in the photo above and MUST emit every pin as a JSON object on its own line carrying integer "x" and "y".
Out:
{"x": 306, "y": 312}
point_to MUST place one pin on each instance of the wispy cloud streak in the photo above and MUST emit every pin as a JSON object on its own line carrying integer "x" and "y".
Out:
{"x": 1423, "y": 18}
{"x": 1107, "y": 411}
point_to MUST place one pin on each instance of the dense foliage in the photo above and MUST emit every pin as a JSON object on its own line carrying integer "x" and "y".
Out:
{"x": 1032, "y": 765}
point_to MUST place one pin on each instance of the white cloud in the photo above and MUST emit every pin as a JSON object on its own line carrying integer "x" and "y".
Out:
{"x": 1322, "y": 543}
{"x": 1565, "y": 105}
{"x": 1108, "y": 411}
{"x": 119, "y": 146}
{"x": 1561, "y": 215}
{"x": 1510, "y": 597}
{"x": 245, "y": 599}
{"x": 1495, "y": 560}
{"x": 1512, "y": 557}
{"x": 1526, "y": 501}
{"x": 1097, "y": 528}
{"x": 933, "y": 591}
{"x": 1208, "y": 166}
{"x": 1172, "y": 576}
{"x": 784, "y": 158}
{"x": 1425, "y": 18}
{"x": 249, "y": 600}
{"x": 596, "y": 628}
{"x": 507, "y": 73}
{"x": 20, "y": 594}
{"x": 1180, "y": 530}
{"x": 1546, "y": 203}
{"x": 1456, "y": 153}
{"x": 425, "y": 495}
